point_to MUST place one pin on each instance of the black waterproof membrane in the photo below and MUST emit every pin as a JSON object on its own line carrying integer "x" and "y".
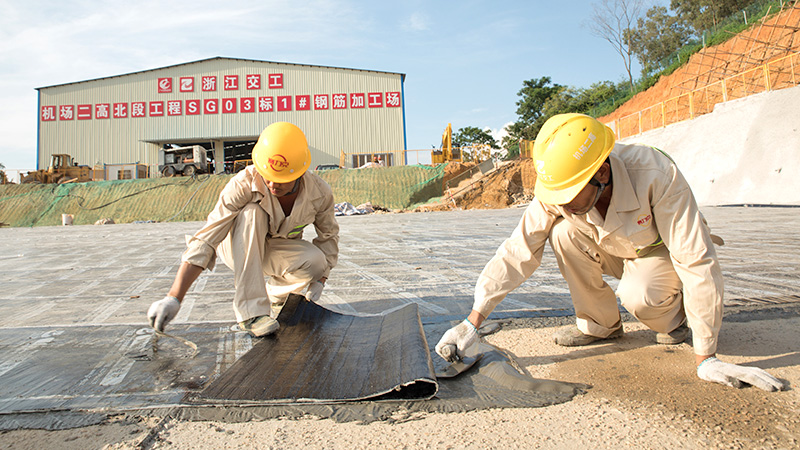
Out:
{"x": 320, "y": 356}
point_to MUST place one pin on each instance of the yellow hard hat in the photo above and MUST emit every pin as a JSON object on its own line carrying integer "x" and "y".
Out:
{"x": 281, "y": 154}
{"x": 568, "y": 151}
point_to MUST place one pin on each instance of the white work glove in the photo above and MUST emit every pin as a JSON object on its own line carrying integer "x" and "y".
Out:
{"x": 162, "y": 311}
{"x": 314, "y": 291}
{"x": 732, "y": 375}
{"x": 458, "y": 338}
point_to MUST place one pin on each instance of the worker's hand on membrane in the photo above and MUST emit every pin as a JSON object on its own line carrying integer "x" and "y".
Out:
{"x": 162, "y": 312}
{"x": 314, "y": 291}
{"x": 461, "y": 336}
{"x": 716, "y": 371}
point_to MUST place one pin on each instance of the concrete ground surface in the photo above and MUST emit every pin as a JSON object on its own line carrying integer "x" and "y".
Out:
{"x": 86, "y": 278}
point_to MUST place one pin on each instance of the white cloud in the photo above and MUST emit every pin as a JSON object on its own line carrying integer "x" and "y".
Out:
{"x": 46, "y": 43}
{"x": 417, "y": 22}
{"x": 498, "y": 133}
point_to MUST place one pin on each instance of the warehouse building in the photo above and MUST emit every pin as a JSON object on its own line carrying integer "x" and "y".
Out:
{"x": 223, "y": 104}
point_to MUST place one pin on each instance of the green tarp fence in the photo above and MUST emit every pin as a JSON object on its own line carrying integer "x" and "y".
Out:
{"x": 190, "y": 199}
{"x": 391, "y": 187}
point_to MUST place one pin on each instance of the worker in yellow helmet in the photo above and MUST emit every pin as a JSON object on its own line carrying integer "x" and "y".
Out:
{"x": 256, "y": 228}
{"x": 628, "y": 213}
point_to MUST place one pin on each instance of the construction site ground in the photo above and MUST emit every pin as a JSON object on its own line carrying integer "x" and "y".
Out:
{"x": 98, "y": 280}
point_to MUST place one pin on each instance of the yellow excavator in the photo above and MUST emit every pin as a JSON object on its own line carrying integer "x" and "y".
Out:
{"x": 446, "y": 153}
{"x": 62, "y": 170}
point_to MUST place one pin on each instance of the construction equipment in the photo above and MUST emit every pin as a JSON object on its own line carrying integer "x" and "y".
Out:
{"x": 62, "y": 170}
{"x": 182, "y": 160}
{"x": 446, "y": 152}
{"x": 240, "y": 164}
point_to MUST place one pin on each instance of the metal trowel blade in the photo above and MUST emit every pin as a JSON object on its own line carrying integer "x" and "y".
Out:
{"x": 457, "y": 368}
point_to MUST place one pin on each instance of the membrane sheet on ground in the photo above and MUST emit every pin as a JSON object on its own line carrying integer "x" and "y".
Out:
{"x": 494, "y": 381}
{"x": 320, "y": 356}
{"x": 61, "y": 377}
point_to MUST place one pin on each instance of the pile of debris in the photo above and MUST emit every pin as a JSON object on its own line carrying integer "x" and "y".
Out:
{"x": 509, "y": 184}
{"x": 347, "y": 209}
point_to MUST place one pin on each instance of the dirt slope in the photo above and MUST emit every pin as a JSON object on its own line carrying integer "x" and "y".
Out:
{"x": 766, "y": 41}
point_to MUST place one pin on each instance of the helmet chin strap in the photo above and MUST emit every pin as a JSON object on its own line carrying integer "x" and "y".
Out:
{"x": 600, "y": 188}
{"x": 296, "y": 187}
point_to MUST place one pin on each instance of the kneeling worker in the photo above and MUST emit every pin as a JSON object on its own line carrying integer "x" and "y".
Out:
{"x": 629, "y": 214}
{"x": 257, "y": 229}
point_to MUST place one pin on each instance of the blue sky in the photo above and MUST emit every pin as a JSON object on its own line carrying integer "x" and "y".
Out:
{"x": 464, "y": 61}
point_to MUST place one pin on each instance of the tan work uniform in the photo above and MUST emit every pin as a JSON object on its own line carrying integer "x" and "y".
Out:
{"x": 255, "y": 239}
{"x": 653, "y": 238}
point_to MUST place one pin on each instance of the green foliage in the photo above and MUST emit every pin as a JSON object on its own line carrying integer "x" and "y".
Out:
{"x": 663, "y": 42}
{"x": 511, "y": 146}
{"x": 609, "y": 104}
{"x": 726, "y": 29}
{"x": 473, "y": 136}
{"x": 533, "y": 95}
{"x": 657, "y": 36}
{"x": 707, "y": 14}
{"x": 548, "y": 101}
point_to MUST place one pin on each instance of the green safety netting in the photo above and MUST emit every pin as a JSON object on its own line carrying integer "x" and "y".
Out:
{"x": 395, "y": 187}
{"x": 191, "y": 199}
{"x": 157, "y": 199}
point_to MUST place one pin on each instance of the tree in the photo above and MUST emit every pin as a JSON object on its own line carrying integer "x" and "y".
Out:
{"x": 473, "y": 136}
{"x": 511, "y": 147}
{"x": 706, "y": 14}
{"x": 613, "y": 20}
{"x": 542, "y": 99}
{"x": 658, "y": 36}
{"x": 579, "y": 100}
{"x": 531, "y": 107}
{"x": 475, "y": 144}
{"x": 3, "y": 179}
{"x": 530, "y": 111}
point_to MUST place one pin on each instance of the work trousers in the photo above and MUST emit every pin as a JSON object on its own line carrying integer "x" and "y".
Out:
{"x": 649, "y": 287}
{"x": 290, "y": 264}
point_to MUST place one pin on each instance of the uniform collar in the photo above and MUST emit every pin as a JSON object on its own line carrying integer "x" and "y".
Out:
{"x": 623, "y": 197}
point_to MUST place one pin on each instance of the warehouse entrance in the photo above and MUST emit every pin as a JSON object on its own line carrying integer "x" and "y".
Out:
{"x": 235, "y": 154}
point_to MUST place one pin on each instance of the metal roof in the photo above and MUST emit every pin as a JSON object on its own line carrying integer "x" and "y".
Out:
{"x": 402, "y": 75}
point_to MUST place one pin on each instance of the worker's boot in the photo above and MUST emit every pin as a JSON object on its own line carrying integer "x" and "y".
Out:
{"x": 260, "y": 326}
{"x": 573, "y": 337}
{"x": 676, "y": 336}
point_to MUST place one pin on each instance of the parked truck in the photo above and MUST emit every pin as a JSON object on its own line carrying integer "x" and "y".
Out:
{"x": 187, "y": 161}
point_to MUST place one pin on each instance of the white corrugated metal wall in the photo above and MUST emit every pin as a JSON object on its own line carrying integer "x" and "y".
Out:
{"x": 72, "y": 116}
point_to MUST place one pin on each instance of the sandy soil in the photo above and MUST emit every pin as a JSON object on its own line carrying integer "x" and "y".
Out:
{"x": 643, "y": 396}
{"x": 510, "y": 184}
